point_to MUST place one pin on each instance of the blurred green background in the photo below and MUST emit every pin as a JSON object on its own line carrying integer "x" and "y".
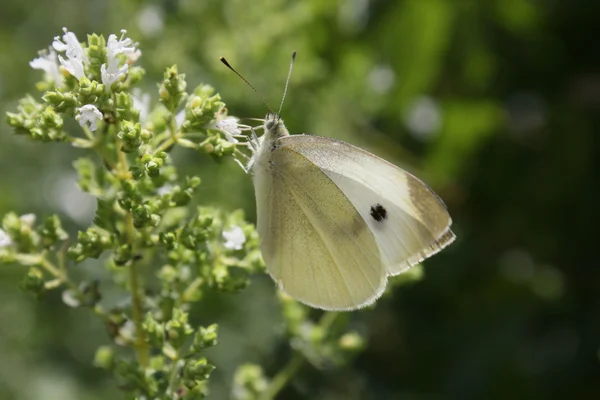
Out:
{"x": 494, "y": 103}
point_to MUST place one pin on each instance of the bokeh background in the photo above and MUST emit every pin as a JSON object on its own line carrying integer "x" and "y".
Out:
{"x": 495, "y": 104}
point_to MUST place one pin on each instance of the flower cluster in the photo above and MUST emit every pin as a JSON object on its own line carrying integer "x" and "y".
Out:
{"x": 145, "y": 214}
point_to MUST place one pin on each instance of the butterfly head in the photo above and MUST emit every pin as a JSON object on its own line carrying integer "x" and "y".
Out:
{"x": 274, "y": 126}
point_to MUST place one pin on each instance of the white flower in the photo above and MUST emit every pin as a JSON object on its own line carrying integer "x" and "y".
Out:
{"x": 69, "y": 297}
{"x": 116, "y": 46}
{"x": 229, "y": 126}
{"x": 235, "y": 238}
{"x": 71, "y": 46}
{"x": 74, "y": 66}
{"x": 88, "y": 114}
{"x": 28, "y": 219}
{"x": 5, "y": 240}
{"x": 76, "y": 57}
{"x": 112, "y": 72}
{"x": 48, "y": 62}
{"x": 164, "y": 189}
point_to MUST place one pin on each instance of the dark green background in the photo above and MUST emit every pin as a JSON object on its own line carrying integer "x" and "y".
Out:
{"x": 511, "y": 310}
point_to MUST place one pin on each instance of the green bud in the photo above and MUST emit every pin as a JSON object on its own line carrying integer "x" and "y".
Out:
{"x": 96, "y": 51}
{"x": 196, "y": 371}
{"x": 104, "y": 357}
{"x": 130, "y": 136}
{"x": 154, "y": 330}
{"x": 122, "y": 254}
{"x": 169, "y": 240}
{"x": 205, "y": 338}
{"x": 21, "y": 231}
{"x": 202, "y": 107}
{"x": 168, "y": 274}
{"x": 90, "y": 91}
{"x": 172, "y": 89}
{"x": 125, "y": 109}
{"x": 153, "y": 164}
{"x": 249, "y": 382}
{"x": 33, "y": 282}
{"x": 52, "y": 231}
{"x": 141, "y": 216}
{"x": 90, "y": 244}
{"x": 351, "y": 341}
{"x": 135, "y": 75}
{"x": 61, "y": 101}
{"x": 146, "y": 135}
{"x": 178, "y": 329}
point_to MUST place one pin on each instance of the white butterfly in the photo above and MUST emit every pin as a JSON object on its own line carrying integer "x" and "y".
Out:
{"x": 335, "y": 220}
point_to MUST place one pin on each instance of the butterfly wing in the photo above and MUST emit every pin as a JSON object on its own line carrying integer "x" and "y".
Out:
{"x": 314, "y": 242}
{"x": 408, "y": 220}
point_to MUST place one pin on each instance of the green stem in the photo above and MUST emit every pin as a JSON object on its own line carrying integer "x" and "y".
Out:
{"x": 137, "y": 311}
{"x": 173, "y": 375}
{"x": 143, "y": 352}
{"x": 284, "y": 376}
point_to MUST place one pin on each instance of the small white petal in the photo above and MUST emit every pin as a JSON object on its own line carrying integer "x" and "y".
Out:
{"x": 123, "y": 45}
{"x": 88, "y": 114}
{"x": 5, "y": 240}
{"x": 234, "y": 238}
{"x": 28, "y": 219}
{"x": 70, "y": 298}
{"x": 71, "y": 46}
{"x": 229, "y": 126}
{"x": 74, "y": 66}
{"x": 48, "y": 62}
{"x": 111, "y": 73}
{"x": 164, "y": 189}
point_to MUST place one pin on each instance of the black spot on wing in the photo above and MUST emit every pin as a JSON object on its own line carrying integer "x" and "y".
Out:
{"x": 378, "y": 212}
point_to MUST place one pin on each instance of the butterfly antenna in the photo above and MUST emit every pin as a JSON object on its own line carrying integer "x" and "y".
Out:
{"x": 224, "y": 61}
{"x": 287, "y": 83}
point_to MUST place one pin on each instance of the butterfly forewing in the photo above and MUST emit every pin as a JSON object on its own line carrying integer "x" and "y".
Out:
{"x": 408, "y": 220}
{"x": 315, "y": 243}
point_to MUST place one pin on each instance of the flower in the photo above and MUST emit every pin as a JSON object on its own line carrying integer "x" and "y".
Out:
{"x": 234, "y": 238}
{"x": 48, "y": 62}
{"x": 88, "y": 114}
{"x": 122, "y": 45}
{"x": 230, "y": 128}
{"x": 76, "y": 57}
{"x": 74, "y": 66}
{"x": 28, "y": 219}
{"x": 5, "y": 240}
{"x": 71, "y": 46}
{"x": 110, "y": 71}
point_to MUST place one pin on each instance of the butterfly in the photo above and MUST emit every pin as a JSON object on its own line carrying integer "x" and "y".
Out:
{"x": 334, "y": 220}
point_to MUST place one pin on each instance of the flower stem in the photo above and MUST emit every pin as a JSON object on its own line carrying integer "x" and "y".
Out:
{"x": 137, "y": 311}
{"x": 284, "y": 376}
{"x": 134, "y": 284}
